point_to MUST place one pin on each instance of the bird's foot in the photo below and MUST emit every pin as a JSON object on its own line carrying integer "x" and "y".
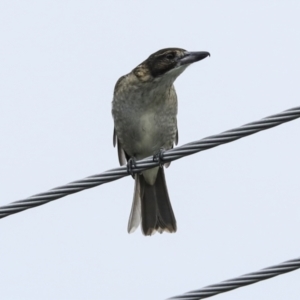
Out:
{"x": 158, "y": 157}
{"x": 131, "y": 164}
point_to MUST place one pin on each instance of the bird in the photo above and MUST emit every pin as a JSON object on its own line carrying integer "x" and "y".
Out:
{"x": 144, "y": 110}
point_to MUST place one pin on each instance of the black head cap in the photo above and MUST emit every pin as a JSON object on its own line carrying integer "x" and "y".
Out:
{"x": 167, "y": 59}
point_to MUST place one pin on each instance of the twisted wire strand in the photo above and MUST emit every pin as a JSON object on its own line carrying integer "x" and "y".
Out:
{"x": 147, "y": 163}
{"x": 231, "y": 284}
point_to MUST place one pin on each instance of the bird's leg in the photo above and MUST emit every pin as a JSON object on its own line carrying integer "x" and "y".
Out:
{"x": 158, "y": 157}
{"x": 131, "y": 164}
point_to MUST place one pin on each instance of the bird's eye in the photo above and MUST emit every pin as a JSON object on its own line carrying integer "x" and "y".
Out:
{"x": 170, "y": 56}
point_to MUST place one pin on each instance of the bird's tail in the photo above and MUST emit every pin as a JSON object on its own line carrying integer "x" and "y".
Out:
{"x": 151, "y": 206}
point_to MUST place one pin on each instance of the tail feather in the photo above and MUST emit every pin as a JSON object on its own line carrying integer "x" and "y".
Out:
{"x": 165, "y": 216}
{"x": 149, "y": 207}
{"x": 152, "y": 206}
{"x": 135, "y": 214}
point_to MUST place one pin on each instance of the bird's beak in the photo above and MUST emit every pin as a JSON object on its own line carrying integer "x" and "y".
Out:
{"x": 191, "y": 57}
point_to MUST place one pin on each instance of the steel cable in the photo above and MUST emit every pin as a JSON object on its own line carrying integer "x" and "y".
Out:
{"x": 169, "y": 155}
{"x": 231, "y": 284}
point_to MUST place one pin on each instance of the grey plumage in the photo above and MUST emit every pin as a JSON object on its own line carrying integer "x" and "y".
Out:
{"x": 144, "y": 109}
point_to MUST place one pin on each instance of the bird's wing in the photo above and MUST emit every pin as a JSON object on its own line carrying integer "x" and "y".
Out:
{"x": 176, "y": 137}
{"x": 121, "y": 153}
{"x": 175, "y": 142}
{"x": 114, "y": 138}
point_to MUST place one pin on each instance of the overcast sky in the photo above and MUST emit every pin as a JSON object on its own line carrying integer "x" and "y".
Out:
{"x": 237, "y": 206}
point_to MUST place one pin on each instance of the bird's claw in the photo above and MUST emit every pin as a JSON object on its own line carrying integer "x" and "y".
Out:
{"x": 158, "y": 157}
{"x": 131, "y": 164}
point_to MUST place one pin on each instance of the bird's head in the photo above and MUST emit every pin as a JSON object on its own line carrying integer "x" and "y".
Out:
{"x": 167, "y": 63}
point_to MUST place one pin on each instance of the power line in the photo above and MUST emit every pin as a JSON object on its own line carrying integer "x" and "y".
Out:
{"x": 231, "y": 284}
{"x": 169, "y": 155}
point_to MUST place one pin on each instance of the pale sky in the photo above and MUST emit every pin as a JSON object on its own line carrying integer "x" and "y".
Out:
{"x": 237, "y": 206}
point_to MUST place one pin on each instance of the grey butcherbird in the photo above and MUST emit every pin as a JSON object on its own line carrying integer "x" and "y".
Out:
{"x": 144, "y": 109}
